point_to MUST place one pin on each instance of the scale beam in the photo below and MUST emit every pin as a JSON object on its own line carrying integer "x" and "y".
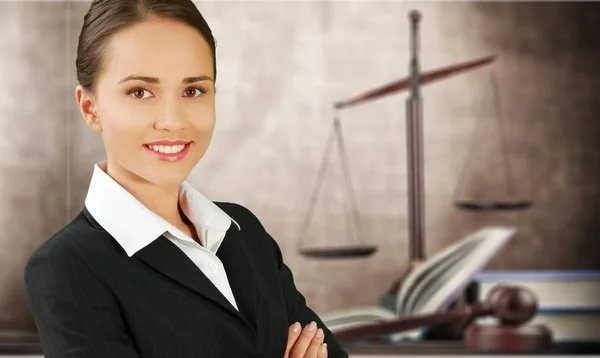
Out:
{"x": 404, "y": 84}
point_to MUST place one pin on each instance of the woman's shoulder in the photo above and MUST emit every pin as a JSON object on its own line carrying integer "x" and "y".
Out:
{"x": 251, "y": 227}
{"x": 241, "y": 214}
{"x": 76, "y": 239}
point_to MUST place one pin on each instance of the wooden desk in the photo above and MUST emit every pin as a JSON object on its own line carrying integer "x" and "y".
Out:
{"x": 19, "y": 343}
{"x": 30, "y": 346}
{"x": 455, "y": 348}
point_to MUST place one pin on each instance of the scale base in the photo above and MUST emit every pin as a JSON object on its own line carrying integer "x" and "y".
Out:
{"x": 493, "y": 205}
{"x": 342, "y": 252}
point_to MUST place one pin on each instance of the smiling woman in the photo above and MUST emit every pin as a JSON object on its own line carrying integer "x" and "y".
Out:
{"x": 155, "y": 84}
{"x": 150, "y": 267}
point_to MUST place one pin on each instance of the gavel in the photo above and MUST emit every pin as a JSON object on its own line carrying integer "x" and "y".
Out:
{"x": 512, "y": 306}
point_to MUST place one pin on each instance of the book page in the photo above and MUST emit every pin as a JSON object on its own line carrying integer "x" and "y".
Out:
{"x": 405, "y": 299}
{"x": 490, "y": 241}
{"x": 444, "y": 271}
{"x": 425, "y": 269}
{"x": 356, "y": 317}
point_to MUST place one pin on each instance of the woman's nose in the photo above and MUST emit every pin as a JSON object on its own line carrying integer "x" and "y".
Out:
{"x": 170, "y": 117}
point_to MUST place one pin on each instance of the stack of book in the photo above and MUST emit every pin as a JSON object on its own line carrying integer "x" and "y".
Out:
{"x": 569, "y": 301}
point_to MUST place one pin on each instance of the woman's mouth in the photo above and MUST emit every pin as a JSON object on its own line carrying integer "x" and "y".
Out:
{"x": 168, "y": 151}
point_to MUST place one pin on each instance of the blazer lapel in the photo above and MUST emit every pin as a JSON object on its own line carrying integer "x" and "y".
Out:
{"x": 240, "y": 274}
{"x": 167, "y": 259}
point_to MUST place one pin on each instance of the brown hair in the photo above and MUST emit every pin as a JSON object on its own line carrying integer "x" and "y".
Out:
{"x": 107, "y": 17}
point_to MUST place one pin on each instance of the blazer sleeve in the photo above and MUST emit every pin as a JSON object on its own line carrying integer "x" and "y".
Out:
{"x": 75, "y": 314}
{"x": 297, "y": 309}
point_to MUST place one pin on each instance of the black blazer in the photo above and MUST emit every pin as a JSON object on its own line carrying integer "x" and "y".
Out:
{"x": 89, "y": 299}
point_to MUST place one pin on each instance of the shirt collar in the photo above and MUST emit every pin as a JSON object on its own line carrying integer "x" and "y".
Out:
{"x": 134, "y": 226}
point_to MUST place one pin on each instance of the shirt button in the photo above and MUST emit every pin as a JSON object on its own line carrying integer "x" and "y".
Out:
{"x": 212, "y": 266}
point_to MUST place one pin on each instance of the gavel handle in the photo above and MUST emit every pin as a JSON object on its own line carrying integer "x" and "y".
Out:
{"x": 407, "y": 324}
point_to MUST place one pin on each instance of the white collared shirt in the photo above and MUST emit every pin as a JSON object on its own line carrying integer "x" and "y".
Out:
{"x": 134, "y": 226}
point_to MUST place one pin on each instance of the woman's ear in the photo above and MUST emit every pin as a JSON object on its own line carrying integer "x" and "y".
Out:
{"x": 88, "y": 108}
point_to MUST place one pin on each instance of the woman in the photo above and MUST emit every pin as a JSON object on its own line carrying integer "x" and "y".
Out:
{"x": 150, "y": 267}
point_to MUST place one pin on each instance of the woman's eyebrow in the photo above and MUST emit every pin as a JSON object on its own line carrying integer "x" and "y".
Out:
{"x": 156, "y": 80}
{"x": 197, "y": 79}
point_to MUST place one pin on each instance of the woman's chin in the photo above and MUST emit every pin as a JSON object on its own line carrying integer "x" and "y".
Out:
{"x": 169, "y": 177}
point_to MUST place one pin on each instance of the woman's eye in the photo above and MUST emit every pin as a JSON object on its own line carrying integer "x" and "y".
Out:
{"x": 142, "y": 93}
{"x": 193, "y": 92}
{"x": 139, "y": 93}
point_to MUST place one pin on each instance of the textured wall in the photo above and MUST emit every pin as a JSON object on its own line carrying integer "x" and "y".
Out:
{"x": 281, "y": 65}
{"x": 33, "y": 172}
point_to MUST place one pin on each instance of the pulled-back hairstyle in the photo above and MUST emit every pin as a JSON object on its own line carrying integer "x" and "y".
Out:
{"x": 107, "y": 17}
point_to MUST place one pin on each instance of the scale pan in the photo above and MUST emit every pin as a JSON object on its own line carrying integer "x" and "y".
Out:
{"x": 339, "y": 252}
{"x": 493, "y": 205}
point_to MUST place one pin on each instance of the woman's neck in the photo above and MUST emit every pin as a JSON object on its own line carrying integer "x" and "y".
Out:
{"x": 162, "y": 200}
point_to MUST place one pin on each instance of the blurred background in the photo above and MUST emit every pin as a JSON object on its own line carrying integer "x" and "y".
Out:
{"x": 281, "y": 66}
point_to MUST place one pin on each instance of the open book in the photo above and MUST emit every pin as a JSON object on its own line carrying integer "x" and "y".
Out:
{"x": 433, "y": 286}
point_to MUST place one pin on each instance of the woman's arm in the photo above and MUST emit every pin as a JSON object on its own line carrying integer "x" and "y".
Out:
{"x": 75, "y": 314}
{"x": 297, "y": 309}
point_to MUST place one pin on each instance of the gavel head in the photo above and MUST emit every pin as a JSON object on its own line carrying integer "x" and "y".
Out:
{"x": 512, "y": 305}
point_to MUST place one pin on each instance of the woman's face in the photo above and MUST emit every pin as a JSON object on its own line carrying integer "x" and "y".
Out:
{"x": 154, "y": 101}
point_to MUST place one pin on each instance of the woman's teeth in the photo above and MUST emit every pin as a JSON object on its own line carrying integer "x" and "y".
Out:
{"x": 167, "y": 149}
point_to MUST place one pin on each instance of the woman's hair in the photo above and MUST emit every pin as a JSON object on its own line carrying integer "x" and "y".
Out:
{"x": 107, "y": 17}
